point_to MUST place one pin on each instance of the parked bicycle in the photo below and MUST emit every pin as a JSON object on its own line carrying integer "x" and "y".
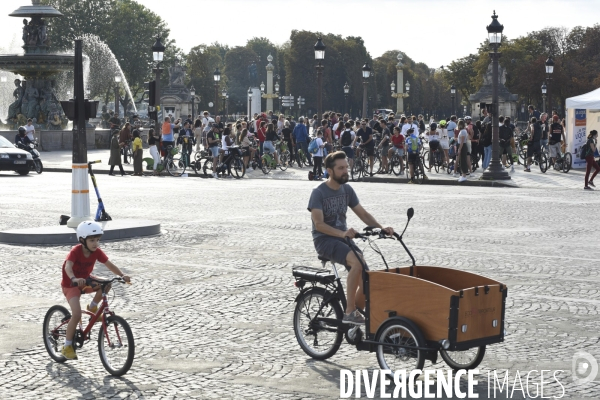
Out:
{"x": 116, "y": 345}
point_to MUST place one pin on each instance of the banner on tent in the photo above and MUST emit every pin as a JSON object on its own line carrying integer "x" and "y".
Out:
{"x": 580, "y": 137}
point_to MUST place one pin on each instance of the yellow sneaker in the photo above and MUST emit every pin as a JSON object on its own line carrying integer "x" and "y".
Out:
{"x": 94, "y": 310}
{"x": 69, "y": 352}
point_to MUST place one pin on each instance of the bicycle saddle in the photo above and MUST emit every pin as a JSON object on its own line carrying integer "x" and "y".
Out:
{"x": 324, "y": 259}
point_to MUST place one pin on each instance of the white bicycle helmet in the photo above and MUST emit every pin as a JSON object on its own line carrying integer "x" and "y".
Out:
{"x": 88, "y": 228}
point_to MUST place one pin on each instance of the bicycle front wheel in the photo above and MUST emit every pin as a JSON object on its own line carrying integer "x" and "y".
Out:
{"x": 419, "y": 173}
{"x": 54, "y": 331}
{"x": 237, "y": 168}
{"x": 426, "y": 162}
{"x": 177, "y": 165}
{"x": 543, "y": 161}
{"x": 284, "y": 160}
{"x": 316, "y": 336}
{"x": 116, "y": 346}
{"x": 207, "y": 168}
{"x": 395, "y": 165}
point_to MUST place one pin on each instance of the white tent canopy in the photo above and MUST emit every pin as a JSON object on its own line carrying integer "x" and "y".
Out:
{"x": 585, "y": 101}
{"x": 583, "y": 115}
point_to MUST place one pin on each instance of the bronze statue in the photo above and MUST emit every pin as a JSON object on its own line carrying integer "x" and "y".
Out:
{"x": 42, "y": 34}
{"x": 15, "y": 108}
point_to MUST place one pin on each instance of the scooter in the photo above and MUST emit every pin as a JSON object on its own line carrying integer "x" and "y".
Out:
{"x": 37, "y": 165}
{"x": 101, "y": 214}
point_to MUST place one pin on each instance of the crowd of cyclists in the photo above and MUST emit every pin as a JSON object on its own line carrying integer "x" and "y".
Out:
{"x": 383, "y": 144}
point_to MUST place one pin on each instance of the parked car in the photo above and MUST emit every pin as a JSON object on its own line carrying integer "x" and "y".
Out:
{"x": 14, "y": 159}
{"x": 383, "y": 111}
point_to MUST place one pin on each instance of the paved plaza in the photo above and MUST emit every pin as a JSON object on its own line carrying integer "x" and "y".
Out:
{"x": 213, "y": 297}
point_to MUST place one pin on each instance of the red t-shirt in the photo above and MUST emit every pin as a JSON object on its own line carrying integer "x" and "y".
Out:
{"x": 260, "y": 134}
{"x": 82, "y": 267}
{"x": 398, "y": 141}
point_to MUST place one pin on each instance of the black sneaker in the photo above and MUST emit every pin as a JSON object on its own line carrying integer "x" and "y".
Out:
{"x": 585, "y": 188}
{"x": 354, "y": 318}
{"x": 591, "y": 184}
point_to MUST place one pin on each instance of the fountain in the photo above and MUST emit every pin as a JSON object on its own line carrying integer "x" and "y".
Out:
{"x": 35, "y": 96}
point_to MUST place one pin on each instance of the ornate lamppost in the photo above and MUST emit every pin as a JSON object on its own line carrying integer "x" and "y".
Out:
{"x": 495, "y": 170}
{"x": 158, "y": 50}
{"x": 277, "y": 93}
{"x": 366, "y": 73}
{"x": 400, "y": 96}
{"x": 549, "y": 71}
{"x": 249, "y": 104}
{"x": 319, "y": 56}
{"x": 225, "y": 97}
{"x": 217, "y": 78}
{"x": 453, "y": 94}
{"x": 346, "y": 92}
{"x": 193, "y": 94}
{"x": 269, "y": 94}
{"x": 544, "y": 90}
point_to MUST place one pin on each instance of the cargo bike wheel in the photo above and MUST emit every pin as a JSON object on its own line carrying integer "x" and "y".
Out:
{"x": 318, "y": 338}
{"x": 466, "y": 359}
{"x": 400, "y": 339}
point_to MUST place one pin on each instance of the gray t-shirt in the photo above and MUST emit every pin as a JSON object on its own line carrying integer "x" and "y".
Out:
{"x": 334, "y": 204}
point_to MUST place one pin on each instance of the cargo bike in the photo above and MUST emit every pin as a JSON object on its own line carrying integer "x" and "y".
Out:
{"x": 412, "y": 313}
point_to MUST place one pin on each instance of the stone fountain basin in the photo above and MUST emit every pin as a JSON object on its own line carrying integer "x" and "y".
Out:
{"x": 39, "y": 64}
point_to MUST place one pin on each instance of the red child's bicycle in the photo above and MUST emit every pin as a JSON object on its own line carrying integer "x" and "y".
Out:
{"x": 115, "y": 339}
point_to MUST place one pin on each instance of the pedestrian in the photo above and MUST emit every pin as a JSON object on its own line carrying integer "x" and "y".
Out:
{"x": 444, "y": 140}
{"x": 115, "y": 153}
{"x": 590, "y": 161}
{"x": 301, "y": 139}
{"x": 247, "y": 149}
{"x": 198, "y": 133}
{"x": 534, "y": 144}
{"x": 533, "y": 113}
{"x": 138, "y": 153}
{"x": 289, "y": 139}
{"x": 421, "y": 124}
{"x": 213, "y": 141}
{"x": 384, "y": 145}
{"x": 398, "y": 147}
{"x": 463, "y": 136}
{"x": 318, "y": 157}
{"x": 261, "y": 136}
{"x": 557, "y": 136}
{"x": 30, "y": 130}
{"x": 281, "y": 123}
{"x": 327, "y": 137}
{"x": 168, "y": 139}
{"x": 153, "y": 142}
{"x": 486, "y": 142}
{"x": 545, "y": 131}
{"x": 125, "y": 137}
{"x": 347, "y": 139}
{"x": 434, "y": 143}
{"x": 367, "y": 143}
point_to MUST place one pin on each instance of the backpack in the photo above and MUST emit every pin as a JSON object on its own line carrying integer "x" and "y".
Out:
{"x": 414, "y": 145}
{"x": 346, "y": 138}
{"x": 313, "y": 147}
{"x": 583, "y": 151}
{"x": 311, "y": 176}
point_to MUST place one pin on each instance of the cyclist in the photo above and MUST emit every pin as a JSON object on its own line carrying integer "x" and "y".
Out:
{"x": 78, "y": 266}
{"x": 534, "y": 145}
{"x": 212, "y": 138}
{"x": 328, "y": 206}
{"x": 413, "y": 146}
{"x": 347, "y": 139}
{"x": 270, "y": 139}
{"x": 367, "y": 143}
{"x": 556, "y": 134}
{"x": 398, "y": 146}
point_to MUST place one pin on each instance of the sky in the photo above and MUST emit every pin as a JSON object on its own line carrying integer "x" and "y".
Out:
{"x": 435, "y": 32}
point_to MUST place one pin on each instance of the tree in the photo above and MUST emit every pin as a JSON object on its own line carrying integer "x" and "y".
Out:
{"x": 236, "y": 68}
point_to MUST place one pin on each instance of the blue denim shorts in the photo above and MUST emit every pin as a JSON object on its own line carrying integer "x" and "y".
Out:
{"x": 268, "y": 145}
{"x": 215, "y": 151}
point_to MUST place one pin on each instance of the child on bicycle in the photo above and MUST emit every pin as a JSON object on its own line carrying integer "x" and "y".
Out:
{"x": 413, "y": 146}
{"x": 76, "y": 269}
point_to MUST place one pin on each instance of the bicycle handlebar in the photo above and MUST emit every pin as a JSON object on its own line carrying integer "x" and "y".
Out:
{"x": 103, "y": 284}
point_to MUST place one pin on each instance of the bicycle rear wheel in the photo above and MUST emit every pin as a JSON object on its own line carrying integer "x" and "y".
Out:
{"x": 284, "y": 160}
{"x": 426, "y": 162}
{"x": 55, "y": 330}
{"x": 116, "y": 346}
{"x": 207, "y": 168}
{"x": 567, "y": 160}
{"x": 177, "y": 165}
{"x": 395, "y": 165}
{"x": 419, "y": 173}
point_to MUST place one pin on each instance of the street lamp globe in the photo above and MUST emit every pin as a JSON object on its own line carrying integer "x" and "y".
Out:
{"x": 193, "y": 90}
{"x": 452, "y": 89}
{"x": 393, "y": 86}
{"x": 495, "y": 30}
{"x": 549, "y": 65}
{"x": 277, "y": 87}
{"x": 319, "y": 50}
{"x": 158, "y": 50}
{"x": 217, "y": 75}
{"x": 262, "y": 87}
{"x": 118, "y": 78}
{"x": 366, "y": 71}
{"x": 544, "y": 88}
{"x": 407, "y": 87}
{"x": 249, "y": 93}
{"x": 399, "y": 57}
{"x": 224, "y": 92}
{"x": 346, "y": 88}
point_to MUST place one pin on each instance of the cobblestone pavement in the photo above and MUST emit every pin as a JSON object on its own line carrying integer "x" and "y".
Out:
{"x": 212, "y": 303}
{"x": 551, "y": 179}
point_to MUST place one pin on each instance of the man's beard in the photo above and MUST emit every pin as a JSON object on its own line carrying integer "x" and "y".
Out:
{"x": 340, "y": 179}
